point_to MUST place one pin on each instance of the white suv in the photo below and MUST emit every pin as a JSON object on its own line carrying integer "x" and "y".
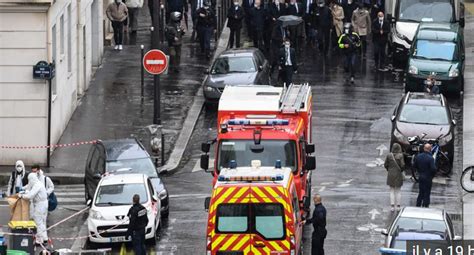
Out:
{"x": 108, "y": 221}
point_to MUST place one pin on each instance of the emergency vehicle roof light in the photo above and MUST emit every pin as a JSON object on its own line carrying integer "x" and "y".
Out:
{"x": 277, "y": 177}
{"x": 259, "y": 122}
{"x": 233, "y": 164}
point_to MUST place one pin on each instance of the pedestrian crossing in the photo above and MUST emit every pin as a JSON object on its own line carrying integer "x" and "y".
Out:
{"x": 67, "y": 195}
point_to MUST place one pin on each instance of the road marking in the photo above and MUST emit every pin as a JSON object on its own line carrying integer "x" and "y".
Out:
{"x": 375, "y": 163}
{"x": 381, "y": 148}
{"x": 440, "y": 180}
{"x": 322, "y": 189}
{"x": 373, "y": 213}
{"x": 327, "y": 183}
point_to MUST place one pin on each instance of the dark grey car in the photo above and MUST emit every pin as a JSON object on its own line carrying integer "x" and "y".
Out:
{"x": 236, "y": 67}
{"x": 122, "y": 156}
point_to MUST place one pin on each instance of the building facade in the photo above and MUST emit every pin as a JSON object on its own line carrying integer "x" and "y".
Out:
{"x": 68, "y": 33}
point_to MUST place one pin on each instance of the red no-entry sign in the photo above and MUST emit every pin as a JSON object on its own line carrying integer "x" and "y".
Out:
{"x": 155, "y": 62}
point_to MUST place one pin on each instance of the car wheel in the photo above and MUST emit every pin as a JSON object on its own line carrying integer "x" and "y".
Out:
{"x": 152, "y": 241}
{"x": 165, "y": 214}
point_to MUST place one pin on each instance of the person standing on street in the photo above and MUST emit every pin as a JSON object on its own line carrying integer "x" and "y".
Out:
{"x": 288, "y": 64}
{"x": 380, "y": 30}
{"x": 324, "y": 22}
{"x": 319, "y": 226}
{"x": 362, "y": 25}
{"x": 18, "y": 179}
{"x": 337, "y": 20}
{"x": 349, "y": 43}
{"x": 295, "y": 8}
{"x": 235, "y": 15}
{"x": 36, "y": 193}
{"x": 258, "y": 16}
{"x": 133, "y": 7}
{"x": 136, "y": 227}
{"x": 206, "y": 26}
{"x": 278, "y": 34}
{"x": 394, "y": 164}
{"x": 424, "y": 163}
{"x": 117, "y": 12}
{"x": 45, "y": 181}
{"x": 174, "y": 34}
{"x": 248, "y": 5}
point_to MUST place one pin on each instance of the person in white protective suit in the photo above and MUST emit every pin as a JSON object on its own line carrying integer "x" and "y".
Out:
{"x": 45, "y": 180}
{"x": 36, "y": 193}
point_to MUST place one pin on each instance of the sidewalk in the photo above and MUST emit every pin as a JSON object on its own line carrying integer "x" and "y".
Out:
{"x": 468, "y": 120}
{"x": 113, "y": 108}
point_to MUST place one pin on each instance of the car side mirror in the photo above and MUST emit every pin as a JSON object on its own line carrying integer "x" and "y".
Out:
{"x": 154, "y": 197}
{"x": 260, "y": 68}
{"x": 310, "y": 163}
{"x": 306, "y": 203}
{"x": 205, "y": 162}
{"x": 384, "y": 232}
{"x": 309, "y": 148}
{"x": 393, "y": 118}
{"x": 207, "y": 202}
{"x": 97, "y": 176}
{"x": 89, "y": 202}
{"x": 454, "y": 122}
{"x": 205, "y": 147}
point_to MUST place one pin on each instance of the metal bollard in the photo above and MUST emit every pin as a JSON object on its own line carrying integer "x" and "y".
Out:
{"x": 162, "y": 149}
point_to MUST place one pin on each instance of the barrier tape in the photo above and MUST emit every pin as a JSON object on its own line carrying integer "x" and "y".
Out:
{"x": 47, "y": 146}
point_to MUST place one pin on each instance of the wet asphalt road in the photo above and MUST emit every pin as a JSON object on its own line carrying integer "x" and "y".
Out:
{"x": 350, "y": 122}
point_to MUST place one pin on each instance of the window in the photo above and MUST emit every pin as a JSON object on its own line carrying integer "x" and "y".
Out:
{"x": 61, "y": 35}
{"x": 225, "y": 65}
{"x": 233, "y": 218}
{"x": 273, "y": 150}
{"x": 141, "y": 166}
{"x": 54, "y": 57}
{"x": 265, "y": 219}
{"x": 120, "y": 194}
{"x": 421, "y": 224}
{"x": 435, "y": 50}
{"x": 69, "y": 39}
{"x": 424, "y": 114}
{"x": 426, "y": 11}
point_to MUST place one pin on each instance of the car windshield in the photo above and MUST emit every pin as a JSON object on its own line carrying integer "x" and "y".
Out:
{"x": 424, "y": 114}
{"x": 241, "y": 152}
{"x": 435, "y": 50}
{"x": 140, "y": 166}
{"x": 225, "y": 65}
{"x": 264, "y": 219}
{"x": 418, "y": 224}
{"x": 120, "y": 194}
{"x": 426, "y": 10}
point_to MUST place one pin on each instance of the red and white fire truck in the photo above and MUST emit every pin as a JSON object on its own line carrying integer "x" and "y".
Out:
{"x": 269, "y": 124}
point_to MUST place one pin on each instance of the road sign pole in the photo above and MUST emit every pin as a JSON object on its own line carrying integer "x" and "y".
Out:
{"x": 142, "y": 71}
{"x": 156, "y": 78}
{"x": 48, "y": 149}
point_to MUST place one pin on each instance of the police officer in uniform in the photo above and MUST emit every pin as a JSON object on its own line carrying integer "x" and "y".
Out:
{"x": 349, "y": 42}
{"x": 206, "y": 24}
{"x": 136, "y": 228}
{"x": 319, "y": 226}
{"x": 174, "y": 35}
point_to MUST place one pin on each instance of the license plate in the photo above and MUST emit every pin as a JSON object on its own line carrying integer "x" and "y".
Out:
{"x": 118, "y": 239}
{"x": 437, "y": 83}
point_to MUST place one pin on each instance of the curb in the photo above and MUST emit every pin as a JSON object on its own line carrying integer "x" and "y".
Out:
{"x": 192, "y": 116}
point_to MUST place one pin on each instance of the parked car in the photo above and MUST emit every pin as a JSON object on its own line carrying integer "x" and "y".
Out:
{"x": 398, "y": 244}
{"x": 122, "y": 154}
{"x": 113, "y": 200}
{"x": 419, "y": 113}
{"x": 438, "y": 51}
{"x": 236, "y": 67}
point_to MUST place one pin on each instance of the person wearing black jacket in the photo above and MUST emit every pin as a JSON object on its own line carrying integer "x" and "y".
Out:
{"x": 18, "y": 179}
{"x": 349, "y": 43}
{"x": 424, "y": 163}
{"x": 258, "y": 16}
{"x": 323, "y": 22}
{"x": 137, "y": 225}
{"x": 380, "y": 30}
{"x": 288, "y": 64}
{"x": 206, "y": 25}
{"x": 235, "y": 14}
{"x": 180, "y": 6}
{"x": 297, "y": 9}
{"x": 278, "y": 34}
{"x": 248, "y": 5}
{"x": 319, "y": 226}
